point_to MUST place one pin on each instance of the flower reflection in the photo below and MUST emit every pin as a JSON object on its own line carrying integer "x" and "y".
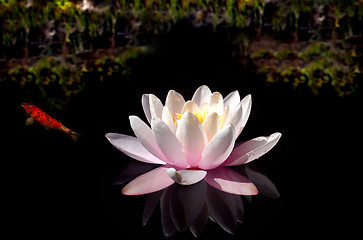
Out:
{"x": 189, "y": 207}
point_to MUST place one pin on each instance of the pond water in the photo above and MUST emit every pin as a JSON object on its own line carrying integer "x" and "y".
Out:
{"x": 58, "y": 187}
{"x": 55, "y": 187}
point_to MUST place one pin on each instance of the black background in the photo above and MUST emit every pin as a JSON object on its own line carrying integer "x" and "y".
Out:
{"x": 54, "y": 187}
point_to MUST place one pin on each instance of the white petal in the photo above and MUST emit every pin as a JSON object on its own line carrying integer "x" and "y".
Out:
{"x": 145, "y": 136}
{"x": 225, "y": 117}
{"x": 132, "y": 147}
{"x": 211, "y": 125}
{"x": 167, "y": 117}
{"x": 218, "y": 149}
{"x": 202, "y": 95}
{"x": 236, "y": 118}
{"x": 149, "y": 182}
{"x": 216, "y": 103}
{"x": 252, "y": 149}
{"x": 192, "y": 137}
{"x": 156, "y": 107}
{"x": 186, "y": 177}
{"x": 175, "y": 102}
{"x": 204, "y": 107}
{"x": 168, "y": 143}
{"x": 190, "y": 106}
{"x": 146, "y": 106}
{"x": 232, "y": 100}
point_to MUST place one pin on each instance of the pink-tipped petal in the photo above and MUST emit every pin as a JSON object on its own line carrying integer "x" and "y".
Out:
{"x": 218, "y": 148}
{"x": 252, "y": 149}
{"x": 230, "y": 181}
{"x": 186, "y": 177}
{"x": 192, "y": 137}
{"x": 155, "y": 180}
{"x": 132, "y": 147}
{"x": 168, "y": 143}
{"x": 145, "y": 136}
{"x": 175, "y": 102}
{"x": 202, "y": 95}
{"x": 232, "y": 100}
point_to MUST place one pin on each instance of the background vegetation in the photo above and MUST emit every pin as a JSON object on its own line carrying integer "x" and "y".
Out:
{"x": 53, "y": 49}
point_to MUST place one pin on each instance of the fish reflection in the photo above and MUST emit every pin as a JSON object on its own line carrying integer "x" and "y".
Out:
{"x": 189, "y": 207}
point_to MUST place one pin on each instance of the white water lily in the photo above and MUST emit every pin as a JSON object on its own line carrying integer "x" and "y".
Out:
{"x": 192, "y": 140}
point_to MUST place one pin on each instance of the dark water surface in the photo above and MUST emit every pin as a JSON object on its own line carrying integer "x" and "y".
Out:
{"x": 57, "y": 187}
{"x": 54, "y": 187}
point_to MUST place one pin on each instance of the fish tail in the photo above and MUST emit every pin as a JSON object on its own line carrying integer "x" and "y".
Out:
{"x": 75, "y": 136}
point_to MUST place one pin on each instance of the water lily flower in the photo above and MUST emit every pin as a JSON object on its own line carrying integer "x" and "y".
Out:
{"x": 192, "y": 140}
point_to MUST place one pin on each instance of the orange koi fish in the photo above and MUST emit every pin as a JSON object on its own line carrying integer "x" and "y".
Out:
{"x": 37, "y": 115}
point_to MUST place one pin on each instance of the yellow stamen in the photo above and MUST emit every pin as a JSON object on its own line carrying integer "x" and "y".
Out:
{"x": 221, "y": 121}
{"x": 178, "y": 116}
{"x": 201, "y": 115}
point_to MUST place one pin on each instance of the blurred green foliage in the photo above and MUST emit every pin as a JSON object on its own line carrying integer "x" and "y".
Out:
{"x": 57, "y": 81}
{"x": 49, "y": 46}
{"x": 317, "y": 65}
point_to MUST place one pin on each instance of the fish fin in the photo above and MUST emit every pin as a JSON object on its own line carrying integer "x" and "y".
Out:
{"x": 29, "y": 121}
{"x": 75, "y": 136}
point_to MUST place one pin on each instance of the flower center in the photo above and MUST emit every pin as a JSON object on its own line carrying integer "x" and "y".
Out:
{"x": 201, "y": 115}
